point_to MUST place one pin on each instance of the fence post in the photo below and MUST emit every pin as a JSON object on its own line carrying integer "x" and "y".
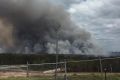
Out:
{"x": 56, "y": 71}
{"x": 110, "y": 68}
{"x": 65, "y": 69}
{"x": 27, "y": 72}
{"x": 105, "y": 73}
{"x": 101, "y": 67}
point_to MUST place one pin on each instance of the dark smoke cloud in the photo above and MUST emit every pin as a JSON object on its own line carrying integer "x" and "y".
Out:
{"x": 34, "y": 25}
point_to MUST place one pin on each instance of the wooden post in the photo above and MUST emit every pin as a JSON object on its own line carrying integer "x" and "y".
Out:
{"x": 27, "y": 71}
{"x": 105, "y": 73}
{"x": 65, "y": 70}
{"x": 110, "y": 68}
{"x": 101, "y": 68}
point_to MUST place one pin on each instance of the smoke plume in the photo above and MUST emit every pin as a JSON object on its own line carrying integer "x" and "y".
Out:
{"x": 6, "y": 34}
{"x": 34, "y": 26}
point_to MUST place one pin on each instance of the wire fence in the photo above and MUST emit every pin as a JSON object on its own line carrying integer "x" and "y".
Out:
{"x": 43, "y": 70}
{"x": 94, "y": 69}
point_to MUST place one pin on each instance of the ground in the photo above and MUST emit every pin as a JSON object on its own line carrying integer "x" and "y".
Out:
{"x": 71, "y": 76}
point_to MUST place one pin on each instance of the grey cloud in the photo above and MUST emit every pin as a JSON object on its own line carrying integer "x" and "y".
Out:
{"x": 110, "y": 9}
{"x": 103, "y": 24}
{"x": 67, "y": 3}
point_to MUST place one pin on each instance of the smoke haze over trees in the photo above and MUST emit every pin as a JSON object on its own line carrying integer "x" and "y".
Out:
{"x": 31, "y": 25}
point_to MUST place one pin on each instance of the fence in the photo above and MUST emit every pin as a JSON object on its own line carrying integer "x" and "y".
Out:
{"x": 44, "y": 70}
{"x": 47, "y": 70}
{"x": 95, "y": 69}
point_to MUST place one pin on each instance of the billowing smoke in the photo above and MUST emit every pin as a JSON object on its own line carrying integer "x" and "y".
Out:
{"x": 6, "y": 34}
{"x": 34, "y": 26}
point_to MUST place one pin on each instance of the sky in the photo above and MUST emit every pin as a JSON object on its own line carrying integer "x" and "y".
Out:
{"x": 100, "y": 17}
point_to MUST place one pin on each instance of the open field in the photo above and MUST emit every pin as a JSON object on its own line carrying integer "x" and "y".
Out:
{"x": 22, "y": 78}
{"x": 71, "y": 76}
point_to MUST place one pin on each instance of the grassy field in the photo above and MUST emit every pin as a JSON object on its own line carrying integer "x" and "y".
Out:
{"x": 71, "y": 77}
{"x": 32, "y": 78}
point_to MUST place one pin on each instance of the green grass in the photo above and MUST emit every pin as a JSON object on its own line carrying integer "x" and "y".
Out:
{"x": 72, "y": 77}
{"x": 95, "y": 76}
{"x": 31, "y": 78}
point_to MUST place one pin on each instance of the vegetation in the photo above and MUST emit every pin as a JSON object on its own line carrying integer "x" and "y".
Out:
{"x": 95, "y": 76}
{"x": 86, "y": 76}
{"x": 94, "y": 66}
{"x": 20, "y": 78}
{"x": 9, "y": 58}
